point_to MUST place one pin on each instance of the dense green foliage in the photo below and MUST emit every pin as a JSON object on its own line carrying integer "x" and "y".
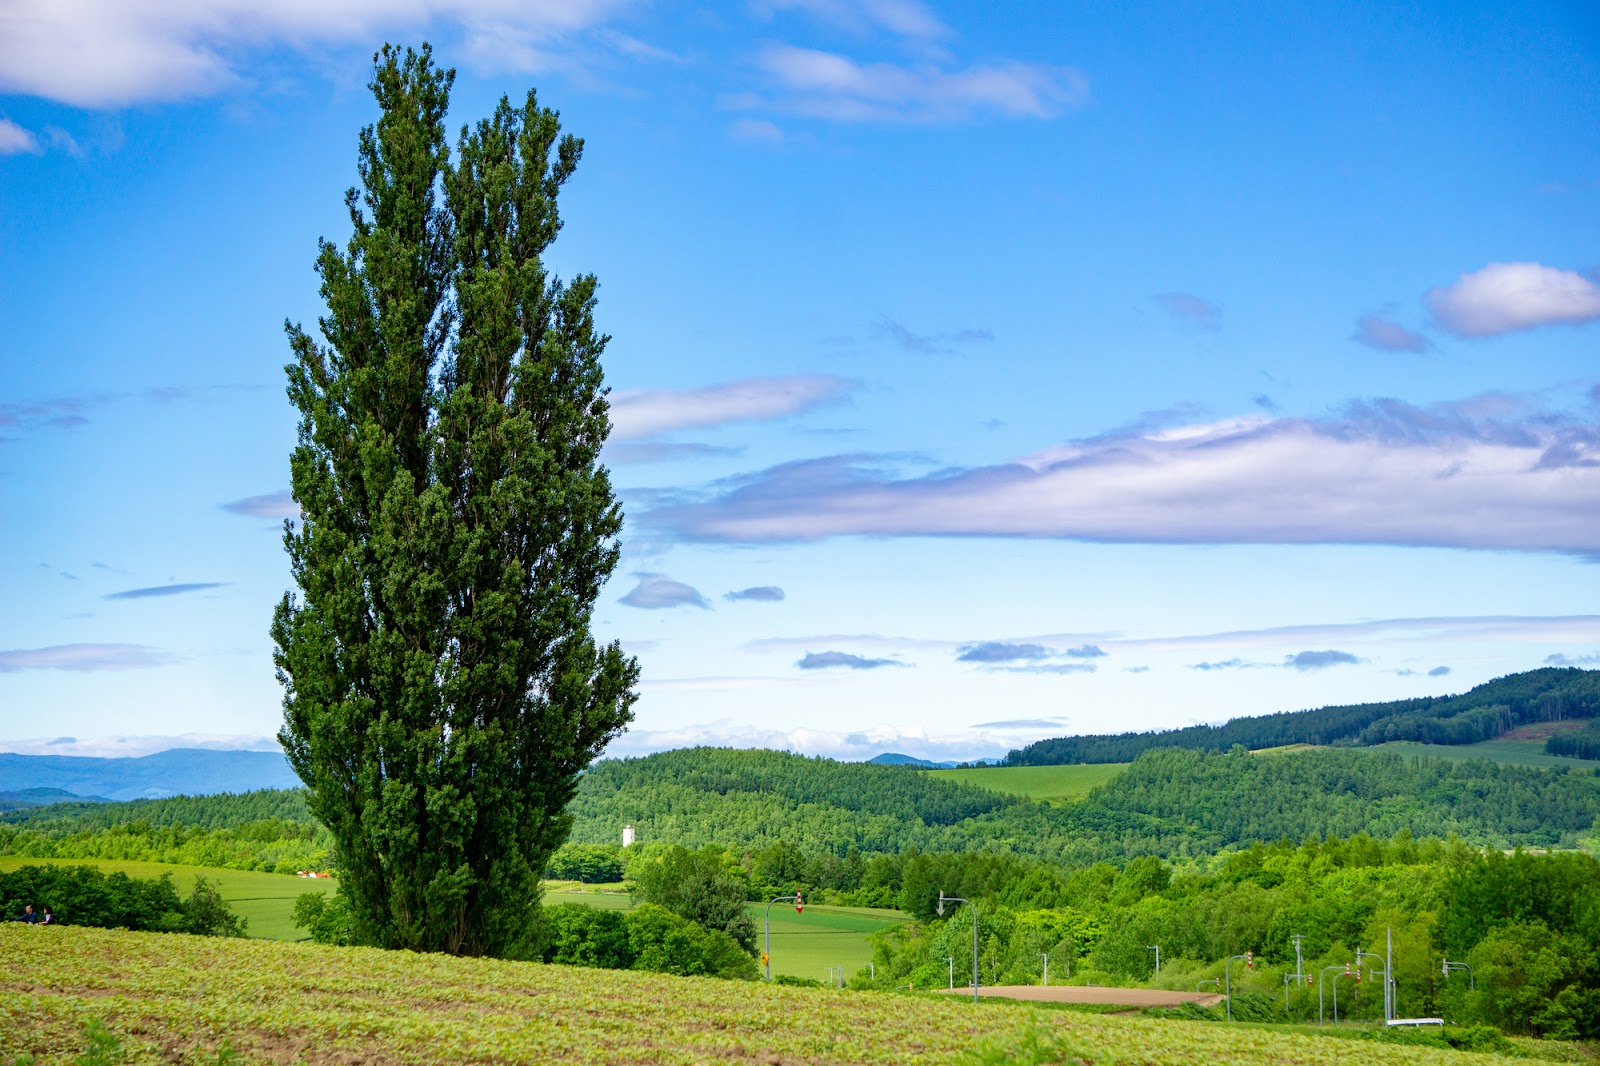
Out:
{"x": 1581, "y": 743}
{"x": 704, "y": 887}
{"x": 225, "y": 810}
{"x": 83, "y": 895}
{"x": 1529, "y": 925}
{"x": 1168, "y": 802}
{"x": 1547, "y": 695}
{"x": 275, "y": 845}
{"x": 442, "y": 687}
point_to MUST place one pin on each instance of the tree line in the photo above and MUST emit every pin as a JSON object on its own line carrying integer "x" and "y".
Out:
{"x": 86, "y": 895}
{"x": 1482, "y": 713}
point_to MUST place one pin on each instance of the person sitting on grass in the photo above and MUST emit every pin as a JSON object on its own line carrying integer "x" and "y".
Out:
{"x": 28, "y": 915}
{"x": 48, "y": 918}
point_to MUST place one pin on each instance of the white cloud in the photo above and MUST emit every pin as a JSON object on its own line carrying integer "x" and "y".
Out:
{"x": 833, "y": 86}
{"x": 14, "y": 140}
{"x": 904, "y": 18}
{"x": 1384, "y": 473}
{"x": 649, "y": 413}
{"x": 1378, "y": 332}
{"x": 83, "y": 658}
{"x": 132, "y": 747}
{"x": 111, "y": 53}
{"x": 755, "y": 131}
{"x": 656, "y": 592}
{"x": 279, "y": 505}
{"x": 1503, "y": 297}
{"x": 855, "y": 745}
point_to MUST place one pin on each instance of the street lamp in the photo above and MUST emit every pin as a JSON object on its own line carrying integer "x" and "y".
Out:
{"x": 943, "y": 899}
{"x": 799, "y": 907}
{"x": 1457, "y": 967}
{"x": 1249, "y": 958}
{"x": 1387, "y": 1009}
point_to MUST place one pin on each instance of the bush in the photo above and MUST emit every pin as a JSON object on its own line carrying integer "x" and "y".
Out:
{"x": 575, "y": 935}
{"x": 85, "y": 895}
{"x": 662, "y": 942}
{"x": 325, "y": 918}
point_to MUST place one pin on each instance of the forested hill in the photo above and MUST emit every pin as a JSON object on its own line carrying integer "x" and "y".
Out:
{"x": 1170, "y": 802}
{"x": 1483, "y": 713}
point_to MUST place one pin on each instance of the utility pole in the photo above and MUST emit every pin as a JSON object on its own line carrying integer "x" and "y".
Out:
{"x": 1157, "y": 949}
{"x": 1388, "y": 976}
{"x": 943, "y": 899}
{"x": 952, "y": 961}
{"x": 1299, "y": 966}
{"x": 1045, "y": 955}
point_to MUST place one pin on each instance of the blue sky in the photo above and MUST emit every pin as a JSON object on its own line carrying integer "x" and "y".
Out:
{"x": 980, "y": 375}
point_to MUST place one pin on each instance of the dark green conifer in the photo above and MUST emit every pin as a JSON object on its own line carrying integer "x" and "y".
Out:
{"x": 442, "y": 687}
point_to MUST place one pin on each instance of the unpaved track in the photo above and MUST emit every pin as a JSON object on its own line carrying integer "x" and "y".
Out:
{"x": 1121, "y": 997}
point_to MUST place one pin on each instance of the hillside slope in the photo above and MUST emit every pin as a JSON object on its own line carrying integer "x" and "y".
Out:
{"x": 173, "y": 998}
{"x": 180, "y": 771}
{"x": 1482, "y": 713}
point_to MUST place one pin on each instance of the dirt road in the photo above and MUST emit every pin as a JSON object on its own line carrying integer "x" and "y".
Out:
{"x": 1123, "y": 997}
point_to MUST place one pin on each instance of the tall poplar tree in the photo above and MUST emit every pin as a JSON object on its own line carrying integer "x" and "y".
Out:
{"x": 442, "y": 690}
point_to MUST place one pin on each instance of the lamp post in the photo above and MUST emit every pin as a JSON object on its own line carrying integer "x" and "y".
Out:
{"x": 951, "y": 959}
{"x": 799, "y": 907}
{"x": 1323, "y": 973}
{"x": 1457, "y": 967}
{"x": 1374, "y": 955}
{"x": 1227, "y": 978}
{"x": 943, "y": 899}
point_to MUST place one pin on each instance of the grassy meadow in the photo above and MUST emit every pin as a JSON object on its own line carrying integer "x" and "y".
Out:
{"x": 170, "y": 998}
{"x": 266, "y": 900}
{"x": 803, "y": 945}
{"x": 1502, "y": 750}
{"x": 1054, "y": 784}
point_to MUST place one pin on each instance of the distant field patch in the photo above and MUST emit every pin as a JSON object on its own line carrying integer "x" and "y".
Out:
{"x": 1501, "y": 750}
{"x": 1285, "y": 749}
{"x": 266, "y": 900}
{"x": 1054, "y": 784}
{"x": 803, "y": 945}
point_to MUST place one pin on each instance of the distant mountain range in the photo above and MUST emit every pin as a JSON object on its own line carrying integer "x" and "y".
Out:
{"x": 179, "y": 772}
{"x": 894, "y": 758}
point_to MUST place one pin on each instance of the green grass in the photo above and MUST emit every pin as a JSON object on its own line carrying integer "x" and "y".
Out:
{"x": 266, "y": 900}
{"x": 1512, "y": 752}
{"x": 169, "y": 998}
{"x": 1054, "y": 784}
{"x": 803, "y": 945}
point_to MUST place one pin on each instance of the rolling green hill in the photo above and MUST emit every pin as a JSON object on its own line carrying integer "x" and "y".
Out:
{"x": 1554, "y": 694}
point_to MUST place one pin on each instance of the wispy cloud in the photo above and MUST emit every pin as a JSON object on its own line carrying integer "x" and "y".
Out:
{"x": 666, "y": 452}
{"x": 1505, "y": 297}
{"x": 756, "y": 594}
{"x": 856, "y": 745}
{"x": 163, "y": 590}
{"x": 999, "y": 652}
{"x": 755, "y": 131}
{"x": 656, "y": 592}
{"x": 1225, "y": 664}
{"x": 1023, "y": 723}
{"x": 1559, "y": 659}
{"x": 931, "y": 343}
{"x": 133, "y": 747}
{"x": 637, "y": 414}
{"x": 1486, "y": 473}
{"x": 112, "y": 53}
{"x": 1191, "y": 308}
{"x": 1320, "y": 660}
{"x": 829, "y": 85}
{"x": 83, "y": 658}
{"x": 834, "y": 660}
{"x": 14, "y": 140}
{"x": 903, "y": 18}
{"x": 278, "y": 505}
{"x": 1386, "y": 335}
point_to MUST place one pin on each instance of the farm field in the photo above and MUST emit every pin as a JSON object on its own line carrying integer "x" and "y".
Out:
{"x": 1054, "y": 784}
{"x": 803, "y": 945}
{"x": 1501, "y": 750}
{"x": 267, "y": 900}
{"x": 174, "y": 998}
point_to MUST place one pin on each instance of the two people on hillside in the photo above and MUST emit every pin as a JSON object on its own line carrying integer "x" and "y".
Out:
{"x": 47, "y": 918}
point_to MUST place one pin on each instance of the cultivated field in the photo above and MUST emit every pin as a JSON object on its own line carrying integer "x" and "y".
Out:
{"x": 180, "y": 999}
{"x": 1132, "y": 998}
{"x": 1055, "y": 784}
{"x": 1515, "y": 752}
{"x": 267, "y": 900}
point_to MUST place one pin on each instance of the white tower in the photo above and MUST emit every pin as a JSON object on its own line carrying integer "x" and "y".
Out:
{"x": 627, "y": 835}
